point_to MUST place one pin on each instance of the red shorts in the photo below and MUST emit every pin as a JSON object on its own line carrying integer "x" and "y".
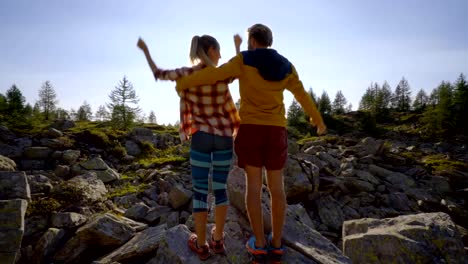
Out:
{"x": 262, "y": 146}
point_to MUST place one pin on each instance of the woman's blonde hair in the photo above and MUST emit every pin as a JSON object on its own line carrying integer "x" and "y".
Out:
{"x": 199, "y": 49}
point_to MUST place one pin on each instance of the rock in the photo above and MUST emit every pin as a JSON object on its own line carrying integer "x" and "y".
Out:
{"x": 39, "y": 184}
{"x": 14, "y": 185}
{"x": 330, "y": 212}
{"x": 329, "y": 159}
{"x": 396, "y": 179}
{"x": 85, "y": 188}
{"x": 63, "y": 124}
{"x": 6, "y": 134}
{"x": 172, "y": 219}
{"x": 102, "y": 170}
{"x": 357, "y": 186}
{"x": 11, "y": 228}
{"x": 179, "y": 196}
{"x": 368, "y": 146}
{"x": 70, "y": 157}
{"x": 142, "y": 245}
{"x": 398, "y": 201}
{"x": 309, "y": 242}
{"x": 137, "y": 212}
{"x": 439, "y": 185}
{"x": 366, "y": 176}
{"x": 68, "y": 219}
{"x": 127, "y": 201}
{"x": 56, "y": 143}
{"x": 10, "y": 151}
{"x": 62, "y": 171}
{"x": 6, "y": 164}
{"x": 173, "y": 248}
{"x": 293, "y": 147}
{"x": 157, "y": 214}
{"x": 296, "y": 182}
{"x": 105, "y": 230}
{"x": 420, "y": 238}
{"x": 54, "y": 133}
{"x": 48, "y": 244}
{"x": 132, "y": 148}
{"x": 37, "y": 153}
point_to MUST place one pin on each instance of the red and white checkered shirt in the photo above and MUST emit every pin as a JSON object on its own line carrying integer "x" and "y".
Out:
{"x": 207, "y": 108}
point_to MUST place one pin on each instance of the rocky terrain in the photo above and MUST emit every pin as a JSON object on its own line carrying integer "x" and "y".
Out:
{"x": 83, "y": 197}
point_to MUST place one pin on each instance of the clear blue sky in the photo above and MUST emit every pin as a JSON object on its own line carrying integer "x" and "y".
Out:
{"x": 85, "y": 47}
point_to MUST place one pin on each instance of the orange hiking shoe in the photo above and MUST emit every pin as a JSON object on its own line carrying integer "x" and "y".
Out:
{"x": 258, "y": 255}
{"x": 275, "y": 253}
{"x": 217, "y": 245}
{"x": 203, "y": 252}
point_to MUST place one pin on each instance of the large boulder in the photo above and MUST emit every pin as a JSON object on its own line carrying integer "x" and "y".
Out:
{"x": 6, "y": 164}
{"x": 11, "y": 228}
{"x": 420, "y": 238}
{"x": 105, "y": 231}
{"x": 300, "y": 236}
{"x": 140, "y": 246}
{"x": 86, "y": 188}
{"x": 296, "y": 181}
{"x": 98, "y": 166}
{"x": 14, "y": 185}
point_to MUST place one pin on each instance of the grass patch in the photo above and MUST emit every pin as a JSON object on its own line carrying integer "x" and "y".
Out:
{"x": 43, "y": 206}
{"x": 148, "y": 162}
{"x": 439, "y": 162}
{"x": 126, "y": 189}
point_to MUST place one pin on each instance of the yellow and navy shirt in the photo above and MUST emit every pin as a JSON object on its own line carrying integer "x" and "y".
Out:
{"x": 263, "y": 76}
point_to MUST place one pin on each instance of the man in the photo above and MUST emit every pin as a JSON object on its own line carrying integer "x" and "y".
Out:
{"x": 262, "y": 138}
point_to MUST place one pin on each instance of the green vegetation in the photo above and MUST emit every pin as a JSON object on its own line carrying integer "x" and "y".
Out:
{"x": 439, "y": 162}
{"x": 127, "y": 188}
{"x": 43, "y": 206}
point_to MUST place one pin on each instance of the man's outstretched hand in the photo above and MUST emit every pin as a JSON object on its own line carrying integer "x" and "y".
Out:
{"x": 141, "y": 44}
{"x": 237, "y": 42}
{"x": 321, "y": 129}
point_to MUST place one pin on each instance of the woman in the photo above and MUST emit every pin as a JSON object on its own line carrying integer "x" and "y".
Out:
{"x": 207, "y": 114}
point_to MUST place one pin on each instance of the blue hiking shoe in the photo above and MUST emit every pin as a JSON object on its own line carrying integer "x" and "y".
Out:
{"x": 258, "y": 255}
{"x": 275, "y": 254}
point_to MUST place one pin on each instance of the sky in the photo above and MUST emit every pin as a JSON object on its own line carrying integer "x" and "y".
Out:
{"x": 84, "y": 48}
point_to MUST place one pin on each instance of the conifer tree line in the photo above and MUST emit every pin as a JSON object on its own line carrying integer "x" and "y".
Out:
{"x": 121, "y": 110}
{"x": 442, "y": 110}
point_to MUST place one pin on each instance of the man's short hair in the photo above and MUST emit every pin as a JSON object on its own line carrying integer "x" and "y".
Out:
{"x": 262, "y": 34}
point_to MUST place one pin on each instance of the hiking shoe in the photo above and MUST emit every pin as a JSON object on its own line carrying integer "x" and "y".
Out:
{"x": 258, "y": 255}
{"x": 275, "y": 254}
{"x": 203, "y": 252}
{"x": 216, "y": 245}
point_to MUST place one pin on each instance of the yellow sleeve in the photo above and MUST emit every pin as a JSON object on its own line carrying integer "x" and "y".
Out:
{"x": 211, "y": 75}
{"x": 294, "y": 85}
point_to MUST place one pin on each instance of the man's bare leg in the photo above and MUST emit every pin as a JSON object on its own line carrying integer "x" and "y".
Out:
{"x": 278, "y": 204}
{"x": 254, "y": 203}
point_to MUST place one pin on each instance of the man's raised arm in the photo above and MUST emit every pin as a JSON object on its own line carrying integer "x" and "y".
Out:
{"x": 211, "y": 75}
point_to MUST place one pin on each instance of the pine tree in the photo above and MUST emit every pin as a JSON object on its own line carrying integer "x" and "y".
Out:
{"x": 420, "y": 101}
{"x": 122, "y": 98}
{"x": 84, "y": 113}
{"x": 102, "y": 114}
{"x": 461, "y": 103}
{"x": 339, "y": 103}
{"x": 15, "y": 102}
{"x": 47, "y": 99}
{"x": 401, "y": 98}
{"x": 152, "y": 117}
{"x": 324, "y": 105}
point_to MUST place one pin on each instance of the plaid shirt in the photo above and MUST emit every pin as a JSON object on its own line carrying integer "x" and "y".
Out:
{"x": 207, "y": 108}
